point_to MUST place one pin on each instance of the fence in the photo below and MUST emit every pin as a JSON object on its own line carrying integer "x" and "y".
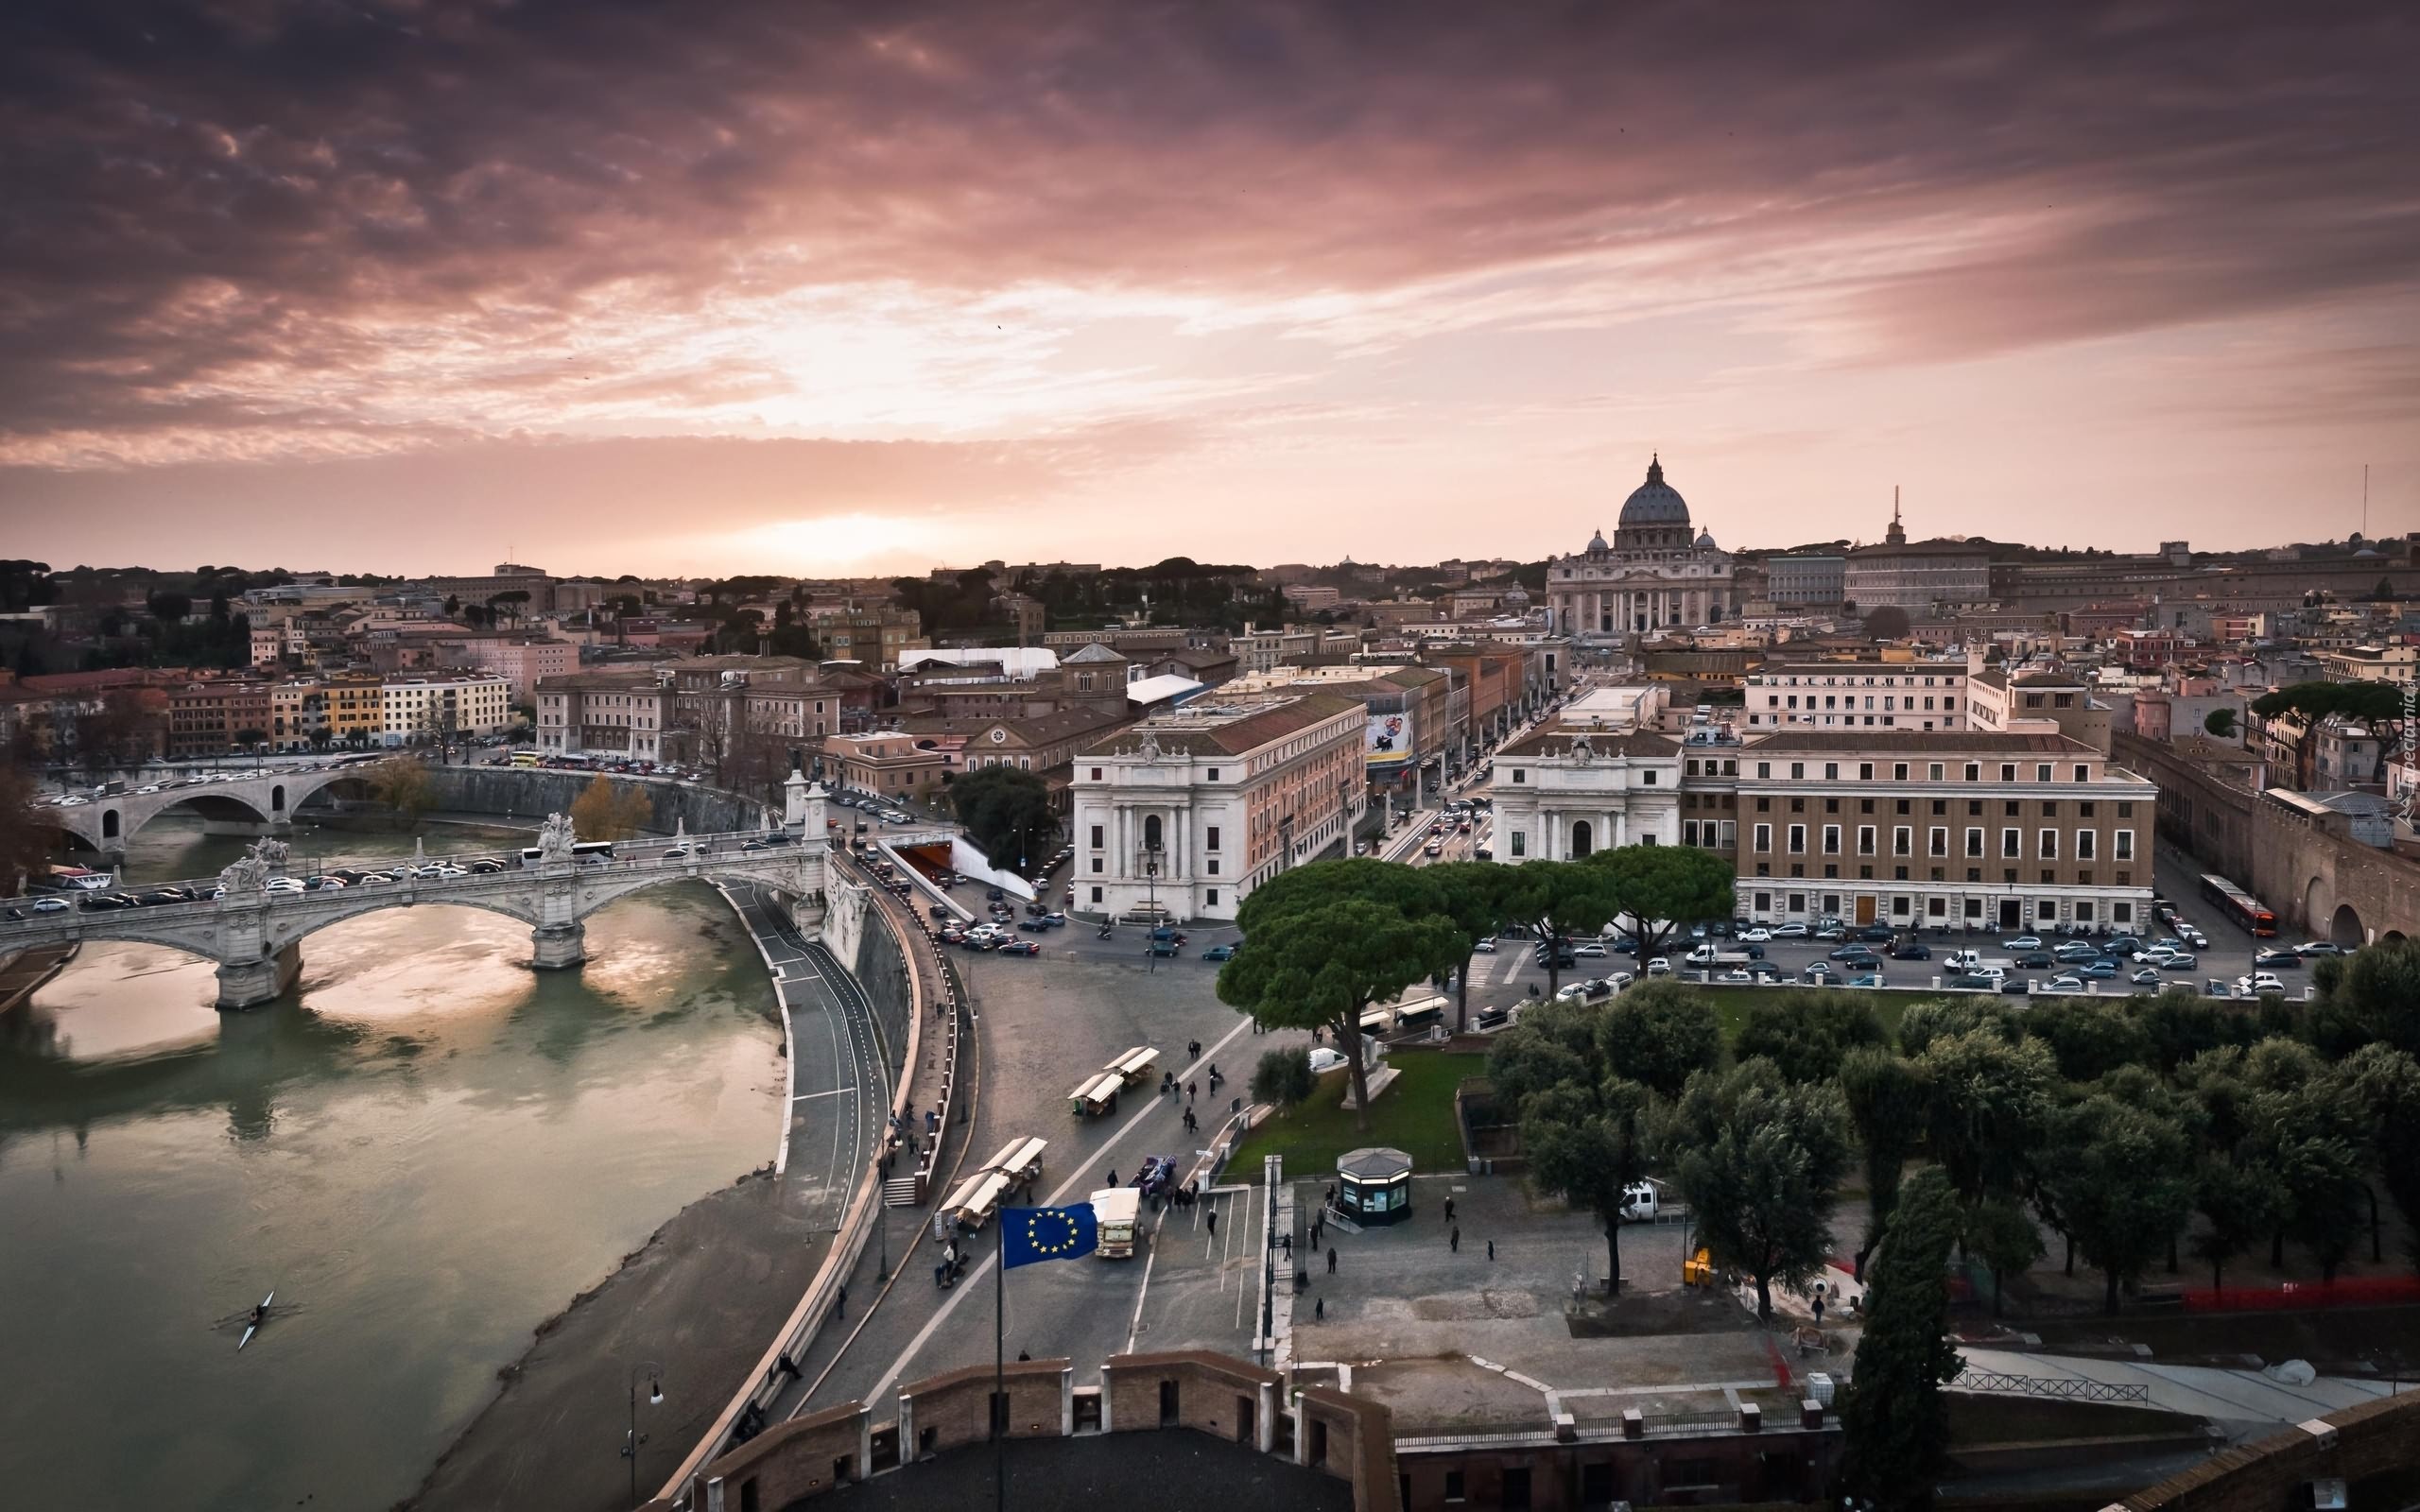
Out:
{"x": 2056, "y": 1388}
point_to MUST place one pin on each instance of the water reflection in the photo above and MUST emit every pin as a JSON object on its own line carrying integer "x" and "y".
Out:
{"x": 427, "y": 1146}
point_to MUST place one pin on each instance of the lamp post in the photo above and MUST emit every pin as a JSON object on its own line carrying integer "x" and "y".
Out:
{"x": 654, "y": 1374}
{"x": 1152, "y": 907}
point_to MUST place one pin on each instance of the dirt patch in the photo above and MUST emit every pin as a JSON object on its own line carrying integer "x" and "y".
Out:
{"x": 1643, "y": 1314}
{"x": 1457, "y": 1307}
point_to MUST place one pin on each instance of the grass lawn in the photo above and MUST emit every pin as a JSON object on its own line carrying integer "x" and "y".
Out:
{"x": 1414, "y": 1115}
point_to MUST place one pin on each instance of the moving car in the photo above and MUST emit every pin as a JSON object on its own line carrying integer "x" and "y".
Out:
{"x": 1911, "y": 951}
{"x": 1756, "y": 936}
{"x": 1484, "y": 947}
{"x": 1221, "y": 952}
{"x": 1789, "y": 931}
{"x": 1873, "y": 979}
{"x": 2065, "y": 982}
{"x": 2022, "y": 942}
{"x": 1590, "y": 948}
{"x": 1659, "y": 967}
{"x": 2253, "y": 983}
{"x": 1020, "y": 947}
{"x": 2278, "y": 960}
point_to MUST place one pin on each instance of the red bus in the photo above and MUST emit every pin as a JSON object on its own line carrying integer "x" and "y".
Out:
{"x": 2240, "y": 908}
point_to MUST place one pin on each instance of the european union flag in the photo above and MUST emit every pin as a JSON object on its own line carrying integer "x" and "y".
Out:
{"x": 1030, "y": 1235}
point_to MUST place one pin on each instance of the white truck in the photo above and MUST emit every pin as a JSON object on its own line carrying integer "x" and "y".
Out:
{"x": 1118, "y": 1212}
{"x": 1706, "y": 953}
{"x": 1973, "y": 963}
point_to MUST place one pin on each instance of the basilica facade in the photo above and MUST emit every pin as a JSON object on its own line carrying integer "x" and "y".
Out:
{"x": 1654, "y": 575}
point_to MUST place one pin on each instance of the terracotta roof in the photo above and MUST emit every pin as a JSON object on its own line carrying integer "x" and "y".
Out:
{"x": 1039, "y": 729}
{"x": 1998, "y": 742}
{"x": 1603, "y": 743}
{"x": 1198, "y": 736}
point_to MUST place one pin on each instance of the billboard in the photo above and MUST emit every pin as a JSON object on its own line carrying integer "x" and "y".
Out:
{"x": 1385, "y": 743}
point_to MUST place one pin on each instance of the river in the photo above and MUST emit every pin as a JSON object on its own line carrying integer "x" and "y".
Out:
{"x": 426, "y": 1150}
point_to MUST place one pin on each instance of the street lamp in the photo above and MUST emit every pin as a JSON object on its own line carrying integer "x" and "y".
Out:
{"x": 654, "y": 1374}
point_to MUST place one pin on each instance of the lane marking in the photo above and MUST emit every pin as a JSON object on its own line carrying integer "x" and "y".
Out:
{"x": 835, "y": 1091}
{"x": 964, "y": 1288}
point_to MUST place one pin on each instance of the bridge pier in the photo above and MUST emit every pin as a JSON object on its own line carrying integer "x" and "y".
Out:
{"x": 249, "y": 984}
{"x": 557, "y": 947}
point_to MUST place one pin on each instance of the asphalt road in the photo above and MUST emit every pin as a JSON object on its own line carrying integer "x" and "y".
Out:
{"x": 1043, "y": 1023}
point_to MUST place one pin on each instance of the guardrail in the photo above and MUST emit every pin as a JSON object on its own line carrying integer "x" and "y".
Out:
{"x": 2056, "y": 1388}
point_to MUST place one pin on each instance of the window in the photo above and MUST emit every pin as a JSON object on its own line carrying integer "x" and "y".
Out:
{"x": 2042, "y": 772}
{"x": 1902, "y": 841}
{"x": 1798, "y": 839}
{"x": 1764, "y": 902}
{"x": 1213, "y": 777}
{"x": 1974, "y": 842}
{"x": 1516, "y": 1486}
{"x": 2012, "y": 844}
{"x": 1519, "y": 775}
{"x": 1096, "y": 890}
{"x": 2125, "y": 839}
{"x": 1865, "y": 839}
{"x": 2121, "y": 913}
{"x": 1764, "y": 837}
{"x": 1935, "y": 771}
{"x": 2049, "y": 850}
{"x": 2084, "y": 845}
{"x": 1520, "y": 843}
{"x": 1899, "y": 771}
{"x": 1939, "y": 846}
{"x": 1209, "y": 838}
{"x": 1454, "y": 1486}
{"x": 1973, "y": 771}
{"x": 1831, "y": 839}
{"x": 1764, "y": 769}
{"x": 1214, "y": 892}
{"x": 1096, "y": 836}
{"x": 2083, "y": 773}
{"x": 1764, "y": 805}
{"x": 1095, "y": 777}
{"x": 2046, "y": 909}
{"x": 1831, "y": 771}
{"x": 1648, "y": 777}
{"x": 1096, "y": 869}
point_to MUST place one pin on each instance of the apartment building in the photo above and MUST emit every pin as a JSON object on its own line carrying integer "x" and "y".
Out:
{"x": 2002, "y": 831}
{"x": 888, "y": 763}
{"x": 1183, "y": 815}
{"x": 2035, "y": 700}
{"x": 1918, "y": 696}
{"x": 619, "y": 713}
{"x": 520, "y": 659}
{"x": 206, "y": 719}
{"x": 416, "y": 708}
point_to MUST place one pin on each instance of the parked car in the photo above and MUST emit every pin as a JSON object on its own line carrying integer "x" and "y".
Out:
{"x": 1220, "y": 952}
{"x": 2096, "y": 970}
{"x": 1492, "y": 1017}
{"x": 2182, "y": 961}
{"x": 1794, "y": 930}
{"x": 1876, "y": 934}
{"x": 2022, "y": 942}
{"x": 1324, "y": 1060}
{"x": 1756, "y": 934}
{"x": 2278, "y": 960}
{"x": 1832, "y": 932}
{"x": 1588, "y": 948}
{"x": 2037, "y": 961}
{"x": 2321, "y": 946}
{"x": 2253, "y": 983}
{"x": 1659, "y": 966}
{"x": 1483, "y": 947}
{"x": 1911, "y": 951}
{"x": 2147, "y": 977}
{"x": 1872, "y": 979}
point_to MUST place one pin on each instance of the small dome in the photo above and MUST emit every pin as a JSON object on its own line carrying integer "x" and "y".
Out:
{"x": 1597, "y": 542}
{"x": 1654, "y": 502}
{"x": 1705, "y": 541}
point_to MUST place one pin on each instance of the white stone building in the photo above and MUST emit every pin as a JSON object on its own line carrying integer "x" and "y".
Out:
{"x": 1562, "y": 794}
{"x": 1654, "y": 575}
{"x": 1183, "y": 815}
{"x": 414, "y": 709}
{"x": 1867, "y": 694}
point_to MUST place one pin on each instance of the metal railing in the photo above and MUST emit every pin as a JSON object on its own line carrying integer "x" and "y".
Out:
{"x": 2056, "y": 1388}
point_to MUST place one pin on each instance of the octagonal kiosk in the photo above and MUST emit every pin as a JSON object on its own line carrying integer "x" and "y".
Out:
{"x": 1374, "y": 1185}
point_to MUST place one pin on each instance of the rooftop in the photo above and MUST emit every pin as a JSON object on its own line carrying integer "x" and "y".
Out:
{"x": 1229, "y": 729}
{"x": 1817, "y": 741}
{"x": 1601, "y": 742}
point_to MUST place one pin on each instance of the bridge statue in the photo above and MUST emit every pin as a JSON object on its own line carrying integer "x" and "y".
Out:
{"x": 554, "y": 840}
{"x": 250, "y": 872}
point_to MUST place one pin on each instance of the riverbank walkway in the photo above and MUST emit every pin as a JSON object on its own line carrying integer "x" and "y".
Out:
{"x": 701, "y": 1301}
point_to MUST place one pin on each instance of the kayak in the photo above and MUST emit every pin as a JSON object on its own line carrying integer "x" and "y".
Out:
{"x": 250, "y": 1329}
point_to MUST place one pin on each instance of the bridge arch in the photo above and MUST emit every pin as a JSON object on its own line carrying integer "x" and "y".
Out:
{"x": 109, "y": 824}
{"x": 283, "y": 931}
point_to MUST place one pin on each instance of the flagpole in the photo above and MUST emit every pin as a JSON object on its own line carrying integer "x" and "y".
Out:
{"x": 999, "y": 1367}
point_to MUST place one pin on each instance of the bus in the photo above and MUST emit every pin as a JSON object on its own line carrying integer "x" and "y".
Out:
{"x": 581, "y": 851}
{"x": 2240, "y": 908}
{"x": 525, "y": 758}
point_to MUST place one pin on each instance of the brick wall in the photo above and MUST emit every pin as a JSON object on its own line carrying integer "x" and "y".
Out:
{"x": 1213, "y": 1394}
{"x": 946, "y": 1412}
{"x": 801, "y": 1457}
{"x": 2269, "y": 1477}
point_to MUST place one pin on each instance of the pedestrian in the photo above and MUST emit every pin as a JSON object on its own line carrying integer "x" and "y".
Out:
{"x": 1490, "y": 1251}
{"x": 1193, "y": 1050}
{"x": 1287, "y": 1240}
{"x": 1331, "y": 1260}
{"x": 1819, "y": 1310}
{"x": 1113, "y": 1176}
{"x": 1212, "y": 1219}
{"x": 1454, "y": 1240}
{"x": 1449, "y": 1209}
{"x": 839, "y": 1300}
{"x": 1190, "y": 1089}
{"x": 1021, "y": 1356}
{"x": 1318, "y": 1310}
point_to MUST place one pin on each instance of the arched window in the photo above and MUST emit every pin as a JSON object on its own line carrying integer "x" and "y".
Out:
{"x": 1150, "y": 831}
{"x": 1583, "y": 838}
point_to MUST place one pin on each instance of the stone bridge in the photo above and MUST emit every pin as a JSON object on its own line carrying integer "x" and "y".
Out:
{"x": 255, "y": 936}
{"x": 263, "y": 804}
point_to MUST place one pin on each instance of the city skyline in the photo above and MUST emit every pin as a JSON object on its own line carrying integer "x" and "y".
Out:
{"x": 770, "y": 289}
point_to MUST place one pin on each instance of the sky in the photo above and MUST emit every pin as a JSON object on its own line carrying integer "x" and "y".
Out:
{"x": 418, "y": 285}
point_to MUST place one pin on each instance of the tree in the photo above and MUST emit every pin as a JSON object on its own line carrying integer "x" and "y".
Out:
{"x": 2220, "y": 722}
{"x": 2088, "y": 1039}
{"x": 1005, "y": 811}
{"x": 1282, "y": 1078}
{"x": 2373, "y": 996}
{"x": 2004, "y": 1237}
{"x": 1662, "y": 888}
{"x": 2385, "y": 1083}
{"x": 1760, "y": 1161}
{"x": 25, "y": 841}
{"x": 1889, "y": 1101}
{"x": 1475, "y": 895}
{"x": 1806, "y": 1034}
{"x": 1322, "y": 964}
{"x": 2120, "y": 1177}
{"x": 2238, "y": 1204}
{"x": 1946, "y": 1017}
{"x": 605, "y": 810}
{"x": 1557, "y": 900}
{"x": 2312, "y": 702}
{"x": 402, "y": 785}
{"x": 1660, "y": 1034}
{"x": 1888, "y": 623}
{"x": 1583, "y": 1124}
{"x": 1990, "y": 1100}
{"x": 1895, "y": 1424}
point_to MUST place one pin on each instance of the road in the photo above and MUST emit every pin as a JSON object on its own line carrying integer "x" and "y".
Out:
{"x": 1042, "y": 1022}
